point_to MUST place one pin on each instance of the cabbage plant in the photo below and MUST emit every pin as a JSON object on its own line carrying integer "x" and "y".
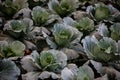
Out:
{"x": 100, "y": 11}
{"x": 8, "y": 70}
{"x": 10, "y": 7}
{"x": 84, "y": 25}
{"x": 12, "y": 49}
{"x": 39, "y": 15}
{"x": 103, "y": 50}
{"x": 62, "y": 8}
{"x": 62, "y": 34}
{"x": 112, "y": 32}
{"x": 50, "y": 60}
{"x": 18, "y": 28}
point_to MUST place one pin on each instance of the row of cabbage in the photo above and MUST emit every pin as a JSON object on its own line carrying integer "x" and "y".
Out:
{"x": 59, "y": 40}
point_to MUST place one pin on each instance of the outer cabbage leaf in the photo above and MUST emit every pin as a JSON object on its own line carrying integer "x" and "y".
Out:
{"x": 67, "y": 74}
{"x": 31, "y": 76}
{"x": 48, "y": 75}
{"x": 103, "y": 30}
{"x": 85, "y": 73}
{"x": 31, "y": 62}
{"x": 69, "y": 21}
{"x": 112, "y": 32}
{"x": 8, "y": 70}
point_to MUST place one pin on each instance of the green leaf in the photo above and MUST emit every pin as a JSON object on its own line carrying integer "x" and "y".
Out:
{"x": 18, "y": 48}
{"x": 8, "y": 70}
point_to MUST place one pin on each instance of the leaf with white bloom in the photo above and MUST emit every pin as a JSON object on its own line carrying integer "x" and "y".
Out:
{"x": 51, "y": 43}
{"x": 24, "y": 11}
{"x": 103, "y": 30}
{"x": 85, "y": 73}
{"x": 47, "y": 75}
{"x": 69, "y": 21}
{"x": 67, "y": 74}
{"x": 8, "y": 70}
{"x": 31, "y": 76}
{"x": 30, "y": 62}
{"x": 73, "y": 68}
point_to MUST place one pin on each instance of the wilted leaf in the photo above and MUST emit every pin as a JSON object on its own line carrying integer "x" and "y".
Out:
{"x": 31, "y": 76}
